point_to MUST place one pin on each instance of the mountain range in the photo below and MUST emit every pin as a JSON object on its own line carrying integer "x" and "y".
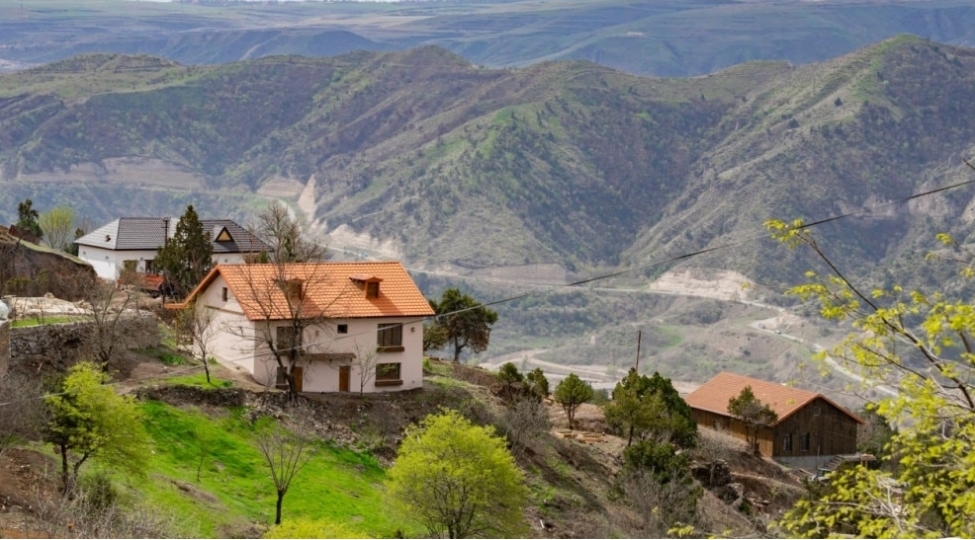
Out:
{"x": 644, "y": 37}
{"x": 571, "y": 165}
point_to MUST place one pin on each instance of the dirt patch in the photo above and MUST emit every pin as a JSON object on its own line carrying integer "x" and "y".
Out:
{"x": 22, "y": 473}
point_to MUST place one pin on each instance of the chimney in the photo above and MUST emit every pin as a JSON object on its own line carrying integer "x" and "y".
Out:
{"x": 293, "y": 289}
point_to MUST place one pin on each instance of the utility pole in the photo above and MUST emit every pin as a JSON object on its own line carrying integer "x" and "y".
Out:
{"x": 639, "y": 337}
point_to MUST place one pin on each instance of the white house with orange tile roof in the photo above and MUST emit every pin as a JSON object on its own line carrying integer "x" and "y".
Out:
{"x": 364, "y": 310}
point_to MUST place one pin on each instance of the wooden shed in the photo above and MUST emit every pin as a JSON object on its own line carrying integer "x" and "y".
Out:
{"x": 810, "y": 425}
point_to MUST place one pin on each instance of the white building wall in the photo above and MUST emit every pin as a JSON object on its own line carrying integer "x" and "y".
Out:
{"x": 108, "y": 264}
{"x": 233, "y": 339}
{"x": 361, "y": 339}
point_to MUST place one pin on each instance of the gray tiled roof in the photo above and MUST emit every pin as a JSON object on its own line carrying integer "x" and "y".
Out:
{"x": 149, "y": 233}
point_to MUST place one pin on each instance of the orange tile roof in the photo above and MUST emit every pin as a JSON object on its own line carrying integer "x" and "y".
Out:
{"x": 328, "y": 290}
{"x": 713, "y": 396}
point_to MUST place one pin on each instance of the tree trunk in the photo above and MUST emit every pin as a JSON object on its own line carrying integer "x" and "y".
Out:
{"x": 457, "y": 348}
{"x": 64, "y": 467}
{"x": 206, "y": 369}
{"x": 277, "y": 518}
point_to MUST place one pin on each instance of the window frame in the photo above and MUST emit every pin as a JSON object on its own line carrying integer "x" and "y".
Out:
{"x": 279, "y": 338}
{"x": 372, "y": 289}
{"x": 389, "y": 374}
{"x": 787, "y": 443}
{"x": 804, "y": 441}
{"x": 389, "y": 337}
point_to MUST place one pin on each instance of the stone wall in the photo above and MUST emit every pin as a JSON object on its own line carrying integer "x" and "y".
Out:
{"x": 55, "y": 347}
{"x": 4, "y": 347}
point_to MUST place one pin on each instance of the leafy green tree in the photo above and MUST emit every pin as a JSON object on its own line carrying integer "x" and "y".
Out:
{"x": 509, "y": 374}
{"x": 570, "y": 393}
{"x": 753, "y": 413}
{"x": 457, "y": 479}
{"x": 186, "y": 257}
{"x": 27, "y": 218}
{"x": 434, "y": 336}
{"x": 89, "y": 420}
{"x": 644, "y": 406}
{"x": 536, "y": 384}
{"x": 919, "y": 344}
{"x": 465, "y": 322}
{"x": 57, "y": 224}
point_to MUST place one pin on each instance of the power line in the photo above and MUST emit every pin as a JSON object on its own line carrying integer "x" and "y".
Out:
{"x": 677, "y": 258}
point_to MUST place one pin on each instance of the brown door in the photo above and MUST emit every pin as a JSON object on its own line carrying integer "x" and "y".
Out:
{"x": 344, "y": 373}
{"x": 299, "y": 376}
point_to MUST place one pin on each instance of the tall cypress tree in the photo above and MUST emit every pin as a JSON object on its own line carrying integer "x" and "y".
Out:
{"x": 186, "y": 257}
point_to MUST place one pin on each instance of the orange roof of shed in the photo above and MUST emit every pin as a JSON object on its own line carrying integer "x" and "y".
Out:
{"x": 713, "y": 396}
{"x": 328, "y": 290}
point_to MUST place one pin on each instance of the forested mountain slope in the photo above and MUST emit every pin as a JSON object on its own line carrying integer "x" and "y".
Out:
{"x": 566, "y": 163}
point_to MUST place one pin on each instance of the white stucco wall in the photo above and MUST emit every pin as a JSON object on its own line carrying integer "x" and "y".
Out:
{"x": 108, "y": 264}
{"x": 323, "y": 375}
{"x": 233, "y": 337}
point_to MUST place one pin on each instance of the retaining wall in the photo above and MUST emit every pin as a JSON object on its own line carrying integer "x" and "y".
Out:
{"x": 55, "y": 347}
{"x": 4, "y": 347}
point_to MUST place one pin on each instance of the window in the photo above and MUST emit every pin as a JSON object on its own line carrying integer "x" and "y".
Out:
{"x": 390, "y": 338}
{"x": 130, "y": 265}
{"x": 817, "y": 410}
{"x": 388, "y": 375}
{"x": 804, "y": 443}
{"x": 342, "y": 329}
{"x": 150, "y": 266}
{"x": 787, "y": 443}
{"x": 280, "y": 382}
{"x": 372, "y": 289}
{"x": 288, "y": 339}
{"x": 224, "y": 294}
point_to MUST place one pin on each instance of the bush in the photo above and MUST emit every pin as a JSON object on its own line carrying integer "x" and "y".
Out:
{"x": 524, "y": 423}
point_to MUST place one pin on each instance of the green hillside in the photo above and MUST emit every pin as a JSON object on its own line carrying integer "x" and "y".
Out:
{"x": 565, "y": 163}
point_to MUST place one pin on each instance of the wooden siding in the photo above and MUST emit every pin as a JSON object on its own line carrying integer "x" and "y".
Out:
{"x": 830, "y": 431}
{"x": 734, "y": 427}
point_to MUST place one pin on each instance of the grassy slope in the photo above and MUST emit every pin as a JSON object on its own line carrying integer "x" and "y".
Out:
{"x": 235, "y": 490}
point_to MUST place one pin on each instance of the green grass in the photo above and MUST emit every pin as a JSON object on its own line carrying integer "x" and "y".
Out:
{"x": 35, "y": 321}
{"x": 200, "y": 380}
{"x": 235, "y": 490}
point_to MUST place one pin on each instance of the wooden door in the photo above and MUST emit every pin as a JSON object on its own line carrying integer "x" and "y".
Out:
{"x": 345, "y": 373}
{"x": 299, "y": 373}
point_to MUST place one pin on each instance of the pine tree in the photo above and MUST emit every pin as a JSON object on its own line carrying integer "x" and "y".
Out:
{"x": 186, "y": 257}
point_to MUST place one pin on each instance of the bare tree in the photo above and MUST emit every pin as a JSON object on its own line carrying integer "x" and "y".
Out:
{"x": 196, "y": 322}
{"x": 286, "y": 450}
{"x": 365, "y": 361}
{"x": 108, "y": 306}
{"x": 283, "y": 302}
{"x": 21, "y": 409}
{"x": 284, "y": 238}
{"x": 94, "y": 511}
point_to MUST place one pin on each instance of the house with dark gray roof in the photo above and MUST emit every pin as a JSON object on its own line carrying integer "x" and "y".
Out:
{"x": 133, "y": 242}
